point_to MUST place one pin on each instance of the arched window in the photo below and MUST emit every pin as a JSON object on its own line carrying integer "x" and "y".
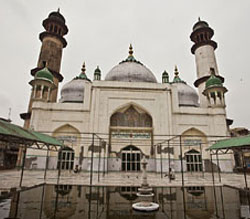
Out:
{"x": 66, "y": 158}
{"x": 194, "y": 161}
{"x": 131, "y": 158}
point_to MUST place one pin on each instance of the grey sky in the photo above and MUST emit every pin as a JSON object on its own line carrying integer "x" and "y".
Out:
{"x": 100, "y": 33}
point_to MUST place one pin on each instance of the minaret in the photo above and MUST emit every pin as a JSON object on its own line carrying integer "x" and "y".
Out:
{"x": 203, "y": 49}
{"x": 53, "y": 42}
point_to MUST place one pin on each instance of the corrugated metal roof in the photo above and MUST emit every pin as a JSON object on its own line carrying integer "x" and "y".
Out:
{"x": 243, "y": 141}
{"x": 8, "y": 129}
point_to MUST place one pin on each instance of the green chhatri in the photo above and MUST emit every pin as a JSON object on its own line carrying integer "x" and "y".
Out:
{"x": 243, "y": 141}
{"x": 22, "y": 135}
{"x": 97, "y": 71}
{"x": 213, "y": 81}
{"x": 164, "y": 74}
{"x": 44, "y": 74}
{"x": 165, "y": 77}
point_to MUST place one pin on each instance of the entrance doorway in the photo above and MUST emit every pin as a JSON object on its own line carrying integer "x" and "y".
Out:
{"x": 131, "y": 159}
{"x": 194, "y": 161}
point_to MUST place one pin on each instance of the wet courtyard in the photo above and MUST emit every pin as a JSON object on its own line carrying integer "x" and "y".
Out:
{"x": 111, "y": 202}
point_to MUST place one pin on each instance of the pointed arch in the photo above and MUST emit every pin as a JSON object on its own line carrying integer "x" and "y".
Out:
{"x": 193, "y": 137}
{"x": 192, "y": 151}
{"x": 193, "y": 132}
{"x": 130, "y": 147}
{"x": 66, "y": 128}
{"x": 71, "y": 138}
{"x": 126, "y": 105}
{"x": 131, "y": 115}
{"x": 68, "y": 134}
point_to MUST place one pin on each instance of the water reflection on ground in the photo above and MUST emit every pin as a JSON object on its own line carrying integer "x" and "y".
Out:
{"x": 68, "y": 201}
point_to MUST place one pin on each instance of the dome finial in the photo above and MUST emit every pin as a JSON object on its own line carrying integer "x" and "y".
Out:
{"x": 130, "y": 50}
{"x": 176, "y": 77}
{"x": 83, "y": 68}
{"x": 58, "y": 10}
{"x": 83, "y": 73}
{"x": 199, "y": 19}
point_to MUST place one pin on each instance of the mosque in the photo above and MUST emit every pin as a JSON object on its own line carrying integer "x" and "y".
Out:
{"x": 129, "y": 108}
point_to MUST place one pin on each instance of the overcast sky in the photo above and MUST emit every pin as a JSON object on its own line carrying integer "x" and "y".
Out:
{"x": 101, "y": 31}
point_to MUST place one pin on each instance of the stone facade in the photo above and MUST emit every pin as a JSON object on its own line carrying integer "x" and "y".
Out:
{"x": 134, "y": 115}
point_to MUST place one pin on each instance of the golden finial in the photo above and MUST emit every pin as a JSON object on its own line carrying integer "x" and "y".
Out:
{"x": 176, "y": 70}
{"x": 83, "y": 68}
{"x": 130, "y": 50}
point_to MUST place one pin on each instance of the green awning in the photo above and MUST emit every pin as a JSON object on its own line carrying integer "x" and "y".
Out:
{"x": 17, "y": 134}
{"x": 235, "y": 142}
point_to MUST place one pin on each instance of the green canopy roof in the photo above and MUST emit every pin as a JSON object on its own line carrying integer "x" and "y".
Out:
{"x": 235, "y": 142}
{"x": 44, "y": 74}
{"x": 17, "y": 134}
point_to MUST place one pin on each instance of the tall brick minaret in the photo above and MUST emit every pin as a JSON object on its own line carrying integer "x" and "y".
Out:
{"x": 53, "y": 42}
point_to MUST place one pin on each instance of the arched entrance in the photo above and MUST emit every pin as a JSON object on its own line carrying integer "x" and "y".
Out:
{"x": 131, "y": 158}
{"x": 130, "y": 135}
{"x": 194, "y": 161}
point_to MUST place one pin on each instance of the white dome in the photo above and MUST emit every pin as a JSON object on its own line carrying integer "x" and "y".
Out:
{"x": 73, "y": 91}
{"x": 130, "y": 71}
{"x": 187, "y": 95}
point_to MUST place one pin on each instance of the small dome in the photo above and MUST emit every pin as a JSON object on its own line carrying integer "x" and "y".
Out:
{"x": 213, "y": 81}
{"x": 73, "y": 91}
{"x": 130, "y": 70}
{"x": 187, "y": 95}
{"x": 44, "y": 74}
{"x": 200, "y": 24}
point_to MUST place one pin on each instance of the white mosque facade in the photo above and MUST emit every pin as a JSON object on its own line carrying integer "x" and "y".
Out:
{"x": 133, "y": 113}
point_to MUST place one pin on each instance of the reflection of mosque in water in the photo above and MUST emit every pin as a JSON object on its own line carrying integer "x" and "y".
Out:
{"x": 67, "y": 201}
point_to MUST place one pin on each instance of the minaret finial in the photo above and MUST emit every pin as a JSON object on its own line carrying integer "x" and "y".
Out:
{"x": 212, "y": 71}
{"x": 83, "y": 68}
{"x": 130, "y": 50}
{"x": 9, "y": 113}
{"x": 176, "y": 70}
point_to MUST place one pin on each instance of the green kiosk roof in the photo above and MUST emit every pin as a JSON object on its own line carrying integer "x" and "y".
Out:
{"x": 235, "y": 142}
{"x": 17, "y": 134}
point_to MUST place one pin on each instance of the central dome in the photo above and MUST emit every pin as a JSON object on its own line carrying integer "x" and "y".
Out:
{"x": 130, "y": 70}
